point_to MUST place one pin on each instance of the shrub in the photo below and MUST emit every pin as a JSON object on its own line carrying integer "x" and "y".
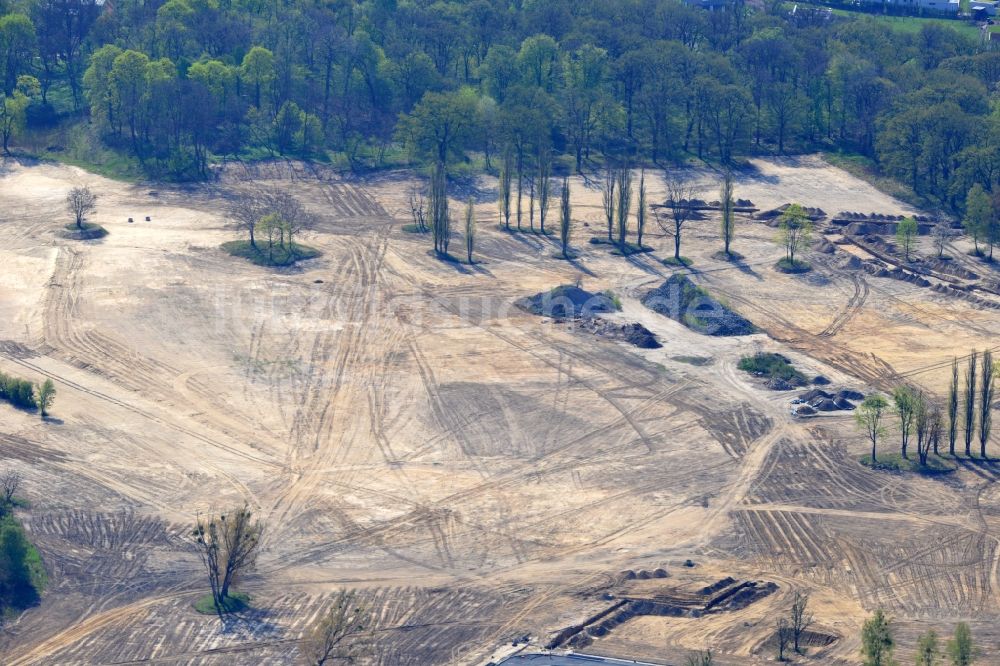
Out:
{"x": 18, "y": 392}
{"x": 771, "y": 365}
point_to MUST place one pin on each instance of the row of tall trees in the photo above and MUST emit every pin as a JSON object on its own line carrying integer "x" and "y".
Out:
{"x": 176, "y": 82}
{"x": 966, "y": 414}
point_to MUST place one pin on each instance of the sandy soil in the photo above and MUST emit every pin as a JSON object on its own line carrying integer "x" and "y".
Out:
{"x": 475, "y": 472}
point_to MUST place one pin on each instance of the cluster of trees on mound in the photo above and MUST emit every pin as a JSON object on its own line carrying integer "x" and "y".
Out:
{"x": 25, "y": 394}
{"x": 176, "y": 82}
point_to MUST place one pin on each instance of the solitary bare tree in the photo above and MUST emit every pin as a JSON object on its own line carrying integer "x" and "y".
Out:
{"x": 339, "y": 633}
{"x": 228, "y": 544}
{"x": 679, "y": 196}
{"x": 941, "y": 235}
{"x": 81, "y": 202}
{"x": 418, "y": 208}
{"x": 247, "y": 211}
{"x": 800, "y": 619}
{"x": 10, "y": 481}
{"x": 782, "y": 636}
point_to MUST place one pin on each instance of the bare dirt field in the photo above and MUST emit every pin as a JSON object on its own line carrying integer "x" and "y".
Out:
{"x": 475, "y": 472}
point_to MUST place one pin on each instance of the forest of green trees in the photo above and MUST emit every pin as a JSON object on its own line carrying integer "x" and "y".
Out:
{"x": 177, "y": 84}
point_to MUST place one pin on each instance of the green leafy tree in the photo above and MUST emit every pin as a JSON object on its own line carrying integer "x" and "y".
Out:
{"x": 14, "y": 107}
{"x": 960, "y": 648}
{"x": 795, "y": 230}
{"x": 876, "y": 640}
{"x": 869, "y": 416}
{"x": 928, "y": 652}
{"x": 440, "y": 125}
{"x": 46, "y": 396}
{"x": 978, "y": 214}
{"x": 905, "y": 401}
{"x": 258, "y": 70}
{"x": 906, "y": 235}
{"x": 17, "y": 47}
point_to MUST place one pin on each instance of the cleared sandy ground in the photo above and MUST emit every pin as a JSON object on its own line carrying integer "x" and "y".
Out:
{"x": 475, "y": 472}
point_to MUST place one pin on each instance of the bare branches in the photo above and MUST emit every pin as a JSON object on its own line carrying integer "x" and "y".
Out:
{"x": 10, "y": 481}
{"x": 81, "y": 201}
{"x": 679, "y": 196}
{"x": 289, "y": 217}
{"x": 339, "y": 633}
{"x": 418, "y": 208}
{"x": 801, "y": 618}
{"x": 227, "y": 544}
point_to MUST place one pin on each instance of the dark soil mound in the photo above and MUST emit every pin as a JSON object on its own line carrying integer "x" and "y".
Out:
{"x": 634, "y": 334}
{"x": 804, "y": 410}
{"x": 820, "y": 380}
{"x": 843, "y": 404}
{"x": 825, "y": 405}
{"x": 779, "y": 384}
{"x": 809, "y": 396}
{"x": 682, "y": 300}
{"x": 848, "y": 394}
{"x": 567, "y": 302}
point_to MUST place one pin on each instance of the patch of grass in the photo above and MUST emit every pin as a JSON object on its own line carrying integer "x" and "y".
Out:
{"x": 89, "y": 231}
{"x": 694, "y": 360}
{"x": 786, "y": 265}
{"x": 619, "y": 251}
{"x": 683, "y": 262}
{"x": 279, "y": 255}
{"x": 895, "y": 462}
{"x": 234, "y": 603}
{"x": 775, "y": 366}
{"x": 732, "y": 256}
{"x": 615, "y": 301}
{"x": 415, "y": 229}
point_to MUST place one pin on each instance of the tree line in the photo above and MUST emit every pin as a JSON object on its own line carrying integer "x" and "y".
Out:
{"x": 176, "y": 83}
{"x": 966, "y": 417}
{"x": 26, "y": 394}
